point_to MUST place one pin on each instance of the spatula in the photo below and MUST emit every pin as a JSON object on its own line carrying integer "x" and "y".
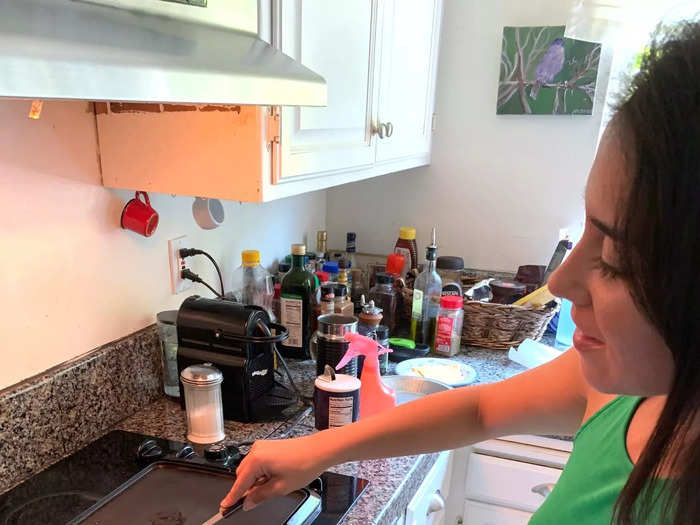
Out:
{"x": 216, "y": 518}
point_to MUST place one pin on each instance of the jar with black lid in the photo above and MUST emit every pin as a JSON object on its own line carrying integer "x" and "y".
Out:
{"x": 384, "y": 296}
{"x": 450, "y": 269}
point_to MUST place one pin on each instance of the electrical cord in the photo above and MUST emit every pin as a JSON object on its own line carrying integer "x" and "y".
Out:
{"x": 189, "y": 252}
{"x": 188, "y": 274}
{"x": 266, "y": 330}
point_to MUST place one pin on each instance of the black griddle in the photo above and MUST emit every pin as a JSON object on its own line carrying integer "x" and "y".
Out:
{"x": 65, "y": 490}
{"x": 175, "y": 493}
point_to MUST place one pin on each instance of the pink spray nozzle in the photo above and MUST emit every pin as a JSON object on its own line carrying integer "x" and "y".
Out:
{"x": 360, "y": 345}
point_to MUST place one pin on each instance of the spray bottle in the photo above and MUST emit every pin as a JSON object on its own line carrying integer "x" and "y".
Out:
{"x": 375, "y": 396}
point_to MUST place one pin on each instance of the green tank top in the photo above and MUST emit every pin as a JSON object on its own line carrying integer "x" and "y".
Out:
{"x": 596, "y": 472}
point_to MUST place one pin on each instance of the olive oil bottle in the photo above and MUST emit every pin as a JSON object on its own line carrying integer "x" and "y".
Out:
{"x": 297, "y": 295}
{"x": 426, "y": 299}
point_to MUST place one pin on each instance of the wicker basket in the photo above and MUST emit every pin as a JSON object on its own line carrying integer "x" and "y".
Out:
{"x": 496, "y": 326}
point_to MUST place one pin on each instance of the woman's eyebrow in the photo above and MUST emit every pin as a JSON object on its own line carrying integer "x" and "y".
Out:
{"x": 605, "y": 228}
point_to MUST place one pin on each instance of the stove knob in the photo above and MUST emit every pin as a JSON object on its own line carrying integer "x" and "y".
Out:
{"x": 185, "y": 452}
{"x": 234, "y": 452}
{"x": 149, "y": 451}
{"x": 217, "y": 452}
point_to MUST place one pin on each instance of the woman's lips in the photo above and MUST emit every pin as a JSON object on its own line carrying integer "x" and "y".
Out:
{"x": 586, "y": 343}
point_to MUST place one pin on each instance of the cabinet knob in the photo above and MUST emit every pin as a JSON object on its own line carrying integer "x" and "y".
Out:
{"x": 437, "y": 503}
{"x": 543, "y": 489}
{"x": 379, "y": 130}
{"x": 389, "y": 129}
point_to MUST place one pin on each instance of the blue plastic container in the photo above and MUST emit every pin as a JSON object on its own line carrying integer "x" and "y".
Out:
{"x": 565, "y": 327}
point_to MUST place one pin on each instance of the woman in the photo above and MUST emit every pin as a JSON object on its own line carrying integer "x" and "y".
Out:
{"x": 630, "y": 387}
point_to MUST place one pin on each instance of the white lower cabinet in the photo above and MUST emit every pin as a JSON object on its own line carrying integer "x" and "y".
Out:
{"x": 428, "y": 506}
{"x": 478, "y": 513}
{"x": 508, "y": 483}
{"x": 502, "y": 482}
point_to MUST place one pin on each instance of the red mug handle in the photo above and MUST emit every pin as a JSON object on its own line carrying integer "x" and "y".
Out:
{"x": 145, "y": 196}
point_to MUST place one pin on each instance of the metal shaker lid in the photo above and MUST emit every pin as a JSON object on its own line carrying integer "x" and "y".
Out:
{"x": 202, "y": 375}
{"x": 334, "y": 326}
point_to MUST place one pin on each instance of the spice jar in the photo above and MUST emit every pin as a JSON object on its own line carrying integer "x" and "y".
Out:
{"x": 343, "y": 277}
{"x": 450, "y": 270}
{"x": 448, "y": 334}
{"x": 358, "y": 288}
{"x": 205, "y": 416}
{"x": 342, "y": 304}
{"x": 282, "y": 269}
{"x": 325, "y": 304}
{"x": 406, "y": 246}
{"x": 331, "y": 268}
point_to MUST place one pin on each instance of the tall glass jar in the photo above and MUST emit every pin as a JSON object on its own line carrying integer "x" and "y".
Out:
{"x": 384, "y": 296}
{"x": 450, "y": 269}
{"x": 167, "y": 335}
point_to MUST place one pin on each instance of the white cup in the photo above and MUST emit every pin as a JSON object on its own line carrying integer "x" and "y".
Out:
{"x": 208, "y": 213}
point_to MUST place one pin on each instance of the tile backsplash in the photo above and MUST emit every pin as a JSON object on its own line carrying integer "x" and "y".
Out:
{"x": 53, "y": 414}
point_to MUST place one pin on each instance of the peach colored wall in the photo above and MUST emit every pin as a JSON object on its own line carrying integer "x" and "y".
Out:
{"x": 71, "y": 278}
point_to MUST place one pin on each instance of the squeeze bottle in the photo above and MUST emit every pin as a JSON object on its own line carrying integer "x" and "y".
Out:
{"x": 375, "y": 396}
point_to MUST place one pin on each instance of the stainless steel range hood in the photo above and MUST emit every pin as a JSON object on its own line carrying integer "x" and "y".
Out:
{"x": 66, "y": 49}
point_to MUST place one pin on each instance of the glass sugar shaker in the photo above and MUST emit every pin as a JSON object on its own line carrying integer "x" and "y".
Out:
{"x": 205, "y": 415}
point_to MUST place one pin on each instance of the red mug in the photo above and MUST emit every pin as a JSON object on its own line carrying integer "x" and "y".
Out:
{"x": 138, "y": 216}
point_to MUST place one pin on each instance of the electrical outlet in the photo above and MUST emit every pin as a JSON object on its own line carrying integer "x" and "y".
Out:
{"x": 177, "y": 283}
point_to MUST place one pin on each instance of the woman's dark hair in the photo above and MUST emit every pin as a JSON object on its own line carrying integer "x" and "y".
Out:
{"x": 659, "y": 221}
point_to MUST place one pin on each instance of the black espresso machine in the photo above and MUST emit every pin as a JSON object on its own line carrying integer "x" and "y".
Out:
{"x": 240, "y": 341}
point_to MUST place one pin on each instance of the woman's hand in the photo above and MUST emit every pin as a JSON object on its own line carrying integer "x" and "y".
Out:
{"x": 275, "y": 468}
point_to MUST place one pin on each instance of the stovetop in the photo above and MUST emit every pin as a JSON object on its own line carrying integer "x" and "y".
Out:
{"x": 74, "y": 484}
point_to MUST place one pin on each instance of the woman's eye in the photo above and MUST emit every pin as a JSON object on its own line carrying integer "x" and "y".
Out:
{"x": 607, "y": 270}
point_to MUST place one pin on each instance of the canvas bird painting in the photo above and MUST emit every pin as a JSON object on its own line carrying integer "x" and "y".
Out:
{"x": 544, "y": 73}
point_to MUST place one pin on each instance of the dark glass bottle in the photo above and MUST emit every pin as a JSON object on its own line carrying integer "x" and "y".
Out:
{"x": 298, "y": 293}
{"x": 384, "y": 296}
{"x": 426, "y": 301}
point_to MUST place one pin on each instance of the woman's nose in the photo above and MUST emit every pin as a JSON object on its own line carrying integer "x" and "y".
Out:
{"x": 568, "y": 281}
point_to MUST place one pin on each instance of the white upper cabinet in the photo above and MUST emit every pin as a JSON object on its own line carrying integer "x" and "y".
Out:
{"x": 337, "y": 40}
{"x": 407, "y": 68}
{"x": 379, "y": 58}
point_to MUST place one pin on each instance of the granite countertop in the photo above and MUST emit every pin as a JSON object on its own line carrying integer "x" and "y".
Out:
{"x": 393, "y": 481}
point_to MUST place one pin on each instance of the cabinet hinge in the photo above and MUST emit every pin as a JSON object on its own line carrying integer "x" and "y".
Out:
{"x": 434, "y": 123}
{"x": 273, "y": 126}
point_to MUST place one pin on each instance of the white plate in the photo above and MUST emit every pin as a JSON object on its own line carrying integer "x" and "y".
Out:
{"x": 404, "y": 368}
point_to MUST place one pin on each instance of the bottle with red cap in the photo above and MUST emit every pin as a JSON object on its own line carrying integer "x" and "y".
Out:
{"x": 448, "y": 332}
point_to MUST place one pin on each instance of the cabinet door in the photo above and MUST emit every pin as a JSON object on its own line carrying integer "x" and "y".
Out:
{"x": 337, "y": 40}
{"x": 410, "y": 35}
{"x": 509, "y": 483}
{"x": 477, "y": 513}
{"x": 428, "y": 505}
